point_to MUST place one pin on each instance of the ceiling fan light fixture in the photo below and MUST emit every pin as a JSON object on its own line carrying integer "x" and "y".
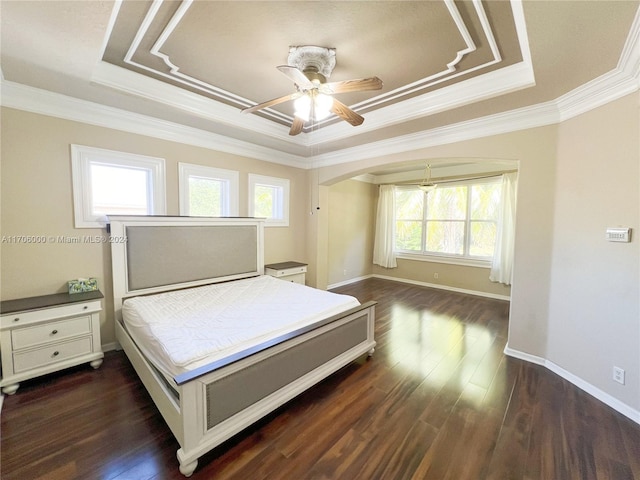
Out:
{"x": 309, "y": 67}
{"x": 302, "y": 107}
{"x": 322, "y": 106}
{"x": 428, "y": 187}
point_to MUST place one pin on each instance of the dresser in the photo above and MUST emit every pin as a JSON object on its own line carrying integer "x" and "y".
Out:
{"x": 290, "y": 271}
{"x": 40, "y": 335}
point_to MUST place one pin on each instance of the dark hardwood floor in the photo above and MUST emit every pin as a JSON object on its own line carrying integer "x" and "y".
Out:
{"x": 438, "y": 400}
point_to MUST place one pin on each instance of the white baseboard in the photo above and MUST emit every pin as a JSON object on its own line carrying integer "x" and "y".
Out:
{"x": 444, "y": 287}
{"x": 107, "y": 347}
{"x": 347, "y": 282}
{"x": 421, "y": 284}
{"x": 604, "y": 397}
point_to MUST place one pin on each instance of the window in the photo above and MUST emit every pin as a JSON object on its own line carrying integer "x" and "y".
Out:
{"x": 456, "y": 220}
{"x": 269, "y": 198}
{"x": 208, "y": 191}
{"x": 106, "y": 182}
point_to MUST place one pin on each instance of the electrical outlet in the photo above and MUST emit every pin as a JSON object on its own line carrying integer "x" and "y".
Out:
{"x": 344, "y": 272}
{"x": 618, "y": 375}
{"x": 436, "y": 276}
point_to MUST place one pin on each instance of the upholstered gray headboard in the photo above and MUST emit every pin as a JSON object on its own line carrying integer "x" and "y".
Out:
{"x": 155, "y": 254}
{"x": 166, "y": 255}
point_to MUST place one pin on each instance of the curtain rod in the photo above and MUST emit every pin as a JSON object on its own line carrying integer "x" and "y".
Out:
{"x": 454, "y": 178}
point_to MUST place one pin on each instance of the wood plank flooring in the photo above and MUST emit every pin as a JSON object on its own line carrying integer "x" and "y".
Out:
{"x": 438, "y": 400}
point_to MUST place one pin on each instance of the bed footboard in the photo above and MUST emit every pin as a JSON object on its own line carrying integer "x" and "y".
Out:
{"x": 220, "y": 404}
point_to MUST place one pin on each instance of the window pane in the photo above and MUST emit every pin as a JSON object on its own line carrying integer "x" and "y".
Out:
{"x": 265, "y": 201}
{"x": 445, "y": 237}
{"x": 485, "y": 199}
{"x": 447, "y": 203}
{"x": 205, "y": 197}
{"x": 483, "y": 239}
{"x": 119, "y": 190}
{"x": 409, "y": 204}
{"x": 409, "y": 236}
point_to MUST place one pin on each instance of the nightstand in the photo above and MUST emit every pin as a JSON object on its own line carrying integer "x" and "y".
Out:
{"x": 40, "y": 335}
{"x": 290, "y": 271}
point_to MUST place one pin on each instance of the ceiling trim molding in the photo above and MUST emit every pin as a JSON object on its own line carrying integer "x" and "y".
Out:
{"x": 43, "y": 102}
{"x": 629, "y": 61}
{"x": 501, "y": 81}
{"x": 142, "y": 86}
{"x": 621, "y": 81}
{"x": 498, "y": 82}
{"x": 604, "y": 89}
{"x": 450, "y": 72}
{"x": 492, "y": 84}
{"x": 176, "y": 75}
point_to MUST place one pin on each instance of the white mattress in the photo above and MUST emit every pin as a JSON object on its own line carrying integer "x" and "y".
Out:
{"x": 185, "y": 329}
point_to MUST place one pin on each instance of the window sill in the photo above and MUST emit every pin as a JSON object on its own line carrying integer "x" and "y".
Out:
{"x": 467, "y": 262}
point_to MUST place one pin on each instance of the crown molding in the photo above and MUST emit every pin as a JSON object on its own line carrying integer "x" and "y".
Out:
{"x": 621, "y": 81}
{"x": 133, "y": 83}
{"x": 43, "y": 102}
{"x": 483, "y": 87}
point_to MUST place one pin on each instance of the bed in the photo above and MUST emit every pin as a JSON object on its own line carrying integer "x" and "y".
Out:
{"x": 186, "y": 271}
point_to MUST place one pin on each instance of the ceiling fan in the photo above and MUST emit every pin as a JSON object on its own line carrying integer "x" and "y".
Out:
{"x": 309, "y": 67}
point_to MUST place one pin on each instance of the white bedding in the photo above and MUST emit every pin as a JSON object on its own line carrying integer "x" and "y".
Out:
{"x": 185, "y": 329}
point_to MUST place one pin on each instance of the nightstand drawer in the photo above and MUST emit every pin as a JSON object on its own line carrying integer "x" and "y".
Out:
{"x": 41, "y": 357}
{"x": 53, "y": 331}
{"x": 12, "y": 320}
{"x": 296, "y": 278}
{"x": 286, "y": 272}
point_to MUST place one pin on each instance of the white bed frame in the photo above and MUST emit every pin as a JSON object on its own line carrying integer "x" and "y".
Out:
{"x": 189, "y": 409}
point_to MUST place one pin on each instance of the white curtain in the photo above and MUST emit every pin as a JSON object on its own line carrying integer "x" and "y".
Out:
{"x": 384, "y": 243}
{"x": 502, "y": 266}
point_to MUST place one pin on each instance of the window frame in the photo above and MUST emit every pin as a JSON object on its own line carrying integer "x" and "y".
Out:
{"x": 229, "y": 204}
{"x": 283, "y": 184}
{"x": 436, "y": 257}
{"x": 82, "y": 157}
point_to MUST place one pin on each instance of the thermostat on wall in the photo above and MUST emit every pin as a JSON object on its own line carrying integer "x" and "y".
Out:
{"x": 618, "y": 234}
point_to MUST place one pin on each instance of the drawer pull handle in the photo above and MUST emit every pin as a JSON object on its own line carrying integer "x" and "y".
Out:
{"x": 54, "y": 332}
{"x": 55, "y": 354}
{"x": 85, "y": 307}
{"x": 17, "y": 319}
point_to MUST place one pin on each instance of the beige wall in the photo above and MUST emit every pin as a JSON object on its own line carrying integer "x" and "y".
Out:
{"x": 36, "y": 198}
{"x": 535, "y": 150}
{"x": 352, "y": 211}
{"x": 471, "y": 279}
{"x": 594, "y": 306}
{"x": 352, "y": 207}
{"x": 575, "y": 298}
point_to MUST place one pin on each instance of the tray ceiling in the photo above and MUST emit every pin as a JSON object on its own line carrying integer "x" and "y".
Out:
{"x": 198, "y": 63}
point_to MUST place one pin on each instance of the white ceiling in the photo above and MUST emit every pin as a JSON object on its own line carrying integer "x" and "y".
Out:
{"x": 183, "y": 70}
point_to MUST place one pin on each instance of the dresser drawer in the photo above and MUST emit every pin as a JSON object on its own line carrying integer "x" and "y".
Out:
{"x": 13, "y": 320}
{"x": 52, "y": 331}
{"x": 27, "y": 360}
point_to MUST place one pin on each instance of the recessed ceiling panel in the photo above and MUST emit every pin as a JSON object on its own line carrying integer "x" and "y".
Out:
{"x": 228, "y": 51}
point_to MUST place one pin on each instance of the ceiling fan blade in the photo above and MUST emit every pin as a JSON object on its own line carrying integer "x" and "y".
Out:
{"x": 346, "y": 113}
{"x": 362, "y": 84}
{"x": 296, "y": 126}
{"x": 270, "y": 103}
{"x": 296, "y": 76}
